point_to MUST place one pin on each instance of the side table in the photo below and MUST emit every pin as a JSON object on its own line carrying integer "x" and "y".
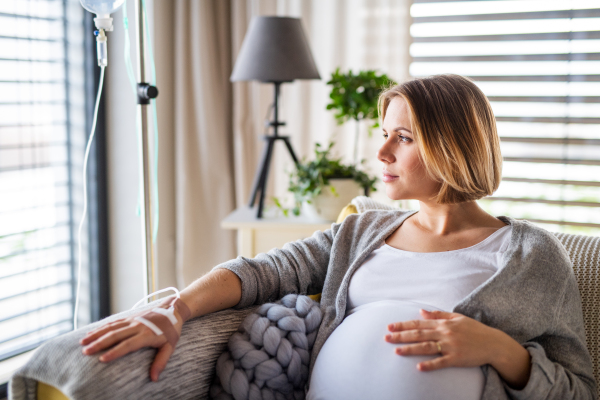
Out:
{"x": 261, "y": 235}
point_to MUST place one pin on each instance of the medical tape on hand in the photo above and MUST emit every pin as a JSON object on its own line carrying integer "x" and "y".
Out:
{"x": 169, "y": 313}
{"x": 162, "y": 321}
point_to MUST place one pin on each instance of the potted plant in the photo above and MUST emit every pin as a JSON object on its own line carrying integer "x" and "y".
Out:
{"x": 355, "y": 96}
{"x": 323, "y": 186}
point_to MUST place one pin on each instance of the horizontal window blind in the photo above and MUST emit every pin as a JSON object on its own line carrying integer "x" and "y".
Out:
{"x": 42, "y": 139}
{"x": 538, "y": 61}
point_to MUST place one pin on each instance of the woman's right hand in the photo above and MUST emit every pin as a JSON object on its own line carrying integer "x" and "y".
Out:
{"x": 127, "y": 335}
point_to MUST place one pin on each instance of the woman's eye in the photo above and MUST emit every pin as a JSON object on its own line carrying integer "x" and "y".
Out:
{"x": 402, "y": 139}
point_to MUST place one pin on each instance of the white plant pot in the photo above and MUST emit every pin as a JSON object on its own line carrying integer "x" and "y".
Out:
{"x": 326, "y": 205}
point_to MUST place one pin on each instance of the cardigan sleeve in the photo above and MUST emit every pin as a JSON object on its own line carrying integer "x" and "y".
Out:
{"x": 535, "y": 299}
{"x": 298, "y": 267}
{"x": 561, "y": 366}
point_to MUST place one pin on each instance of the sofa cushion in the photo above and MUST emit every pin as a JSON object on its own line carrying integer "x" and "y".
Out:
{"x": 269, "y": 355}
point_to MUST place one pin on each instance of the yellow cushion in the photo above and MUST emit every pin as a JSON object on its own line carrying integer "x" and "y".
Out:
{"x": 349, "y": 209}
{"x": 47, "y": 392}
{"x": 315, "y": 297}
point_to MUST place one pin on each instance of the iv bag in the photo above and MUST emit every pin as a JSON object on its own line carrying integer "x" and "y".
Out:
{"x": 102, "y": 7}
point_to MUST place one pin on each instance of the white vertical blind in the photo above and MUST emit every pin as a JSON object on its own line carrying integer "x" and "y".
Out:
{"x": 42, "y": 138}
{"x": 538, "y": 61}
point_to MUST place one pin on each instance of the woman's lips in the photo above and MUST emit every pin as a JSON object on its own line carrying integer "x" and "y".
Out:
{"x": 389, "y": 178}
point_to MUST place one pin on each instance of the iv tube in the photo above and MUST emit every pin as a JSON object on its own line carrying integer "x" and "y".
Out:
{"x": 85, "y": 160}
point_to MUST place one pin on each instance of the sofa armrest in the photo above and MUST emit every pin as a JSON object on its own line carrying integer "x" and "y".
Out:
{"x": 189, "y": 373}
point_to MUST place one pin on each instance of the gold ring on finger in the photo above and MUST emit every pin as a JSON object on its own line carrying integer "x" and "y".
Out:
{"x": 439, "y": 347}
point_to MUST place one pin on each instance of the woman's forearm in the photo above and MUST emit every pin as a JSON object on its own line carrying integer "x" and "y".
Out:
{"x": 512, "y": 361}
{"x": 215, "y": 291}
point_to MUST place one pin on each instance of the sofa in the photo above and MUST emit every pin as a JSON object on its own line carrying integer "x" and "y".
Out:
{"x": 58, "y": 370}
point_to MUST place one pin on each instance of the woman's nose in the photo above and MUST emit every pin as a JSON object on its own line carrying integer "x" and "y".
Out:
{"x": 384, "y": 154}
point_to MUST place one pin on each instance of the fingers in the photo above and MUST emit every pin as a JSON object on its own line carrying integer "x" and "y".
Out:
{"x": 437, "y": 314}
{"x": 413, "y": 324}
{"x": 102, "y": 327}
{"x": 160, "y": 361}
{"x": 121, "y": 349}
{"x": 101, "y": 331}
{"x": 425, "y": 348}
{"x": 415, "y": 335}
{"x": 436, "y": 363}
{"x": 109, "y": 339}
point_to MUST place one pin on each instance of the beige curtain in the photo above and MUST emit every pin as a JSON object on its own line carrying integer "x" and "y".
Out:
{"x": 218, "y": 126}
{"x": 203, "y": 155}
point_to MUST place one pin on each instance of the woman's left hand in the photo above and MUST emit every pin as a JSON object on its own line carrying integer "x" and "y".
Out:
{"x": 463, "y": 341}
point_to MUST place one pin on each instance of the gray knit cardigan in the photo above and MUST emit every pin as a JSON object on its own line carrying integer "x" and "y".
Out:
{"x": 533, "y": 297}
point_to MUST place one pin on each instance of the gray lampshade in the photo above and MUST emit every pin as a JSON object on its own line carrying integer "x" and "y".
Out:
{"x": 275, "y": 49}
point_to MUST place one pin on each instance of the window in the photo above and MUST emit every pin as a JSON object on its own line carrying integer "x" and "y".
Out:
{"x": 538, "y": 61}
{"x": 46, "y": 93}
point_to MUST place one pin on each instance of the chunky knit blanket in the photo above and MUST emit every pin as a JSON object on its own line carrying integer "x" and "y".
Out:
{"x": 269, "y": 355}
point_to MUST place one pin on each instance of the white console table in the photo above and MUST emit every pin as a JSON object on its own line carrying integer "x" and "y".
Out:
{"x": 261, "y": 235}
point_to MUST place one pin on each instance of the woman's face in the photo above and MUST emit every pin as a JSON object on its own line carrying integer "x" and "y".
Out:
{"x": 403, "y": 173}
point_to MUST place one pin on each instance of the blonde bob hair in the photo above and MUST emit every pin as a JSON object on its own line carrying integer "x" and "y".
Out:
{"x": 455, "y": 130}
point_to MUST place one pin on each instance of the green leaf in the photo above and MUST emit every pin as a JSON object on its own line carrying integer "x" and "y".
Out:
{"x": 349, "y": 101}
{"x": 335, "y": 193}
{"x": 311, "y": 177}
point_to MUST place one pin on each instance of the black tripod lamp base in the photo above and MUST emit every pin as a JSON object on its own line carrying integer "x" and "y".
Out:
{"x": 262, "y": 175}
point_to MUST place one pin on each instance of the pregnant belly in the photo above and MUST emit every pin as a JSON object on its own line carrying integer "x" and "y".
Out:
{"x": 357, "y": 363}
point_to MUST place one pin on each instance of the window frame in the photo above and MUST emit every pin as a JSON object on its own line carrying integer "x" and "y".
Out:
{"x": 564, "y": 224}
{"x": 97, "y": 217}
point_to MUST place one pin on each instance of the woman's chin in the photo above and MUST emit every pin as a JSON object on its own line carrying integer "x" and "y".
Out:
{"x": 395, "y": 194}
{"x": 399, "y": 194}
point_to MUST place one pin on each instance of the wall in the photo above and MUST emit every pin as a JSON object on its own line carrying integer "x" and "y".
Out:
{"x": 126, "y": 269}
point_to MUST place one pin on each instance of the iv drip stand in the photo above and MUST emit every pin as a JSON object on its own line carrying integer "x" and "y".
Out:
{"x": 145, "y": 92}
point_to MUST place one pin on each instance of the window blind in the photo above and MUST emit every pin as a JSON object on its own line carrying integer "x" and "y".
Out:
{"x": 538, "y": 61}
{"x": 42, "y": 139}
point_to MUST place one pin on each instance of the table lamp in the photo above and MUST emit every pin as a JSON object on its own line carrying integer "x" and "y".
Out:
{"x": 275, "y": 50}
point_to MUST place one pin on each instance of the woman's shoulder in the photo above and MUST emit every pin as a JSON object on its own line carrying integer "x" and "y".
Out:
{"x": 375, "y": 218}
{"x": 532, "y": 235}
{"x": 537, "y": 245}
{"x": 364, "y": 228}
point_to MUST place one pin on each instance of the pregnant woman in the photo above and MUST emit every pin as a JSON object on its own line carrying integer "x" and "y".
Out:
{"x": 447, "y": 302}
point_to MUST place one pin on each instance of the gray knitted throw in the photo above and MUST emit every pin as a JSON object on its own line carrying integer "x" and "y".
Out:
{"x": 268, "y": 356}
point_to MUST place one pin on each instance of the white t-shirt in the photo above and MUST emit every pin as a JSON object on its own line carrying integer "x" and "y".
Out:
{"x": 391, "y": 286}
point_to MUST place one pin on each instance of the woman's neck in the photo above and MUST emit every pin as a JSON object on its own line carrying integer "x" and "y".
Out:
{"x": 445, "y": 219}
